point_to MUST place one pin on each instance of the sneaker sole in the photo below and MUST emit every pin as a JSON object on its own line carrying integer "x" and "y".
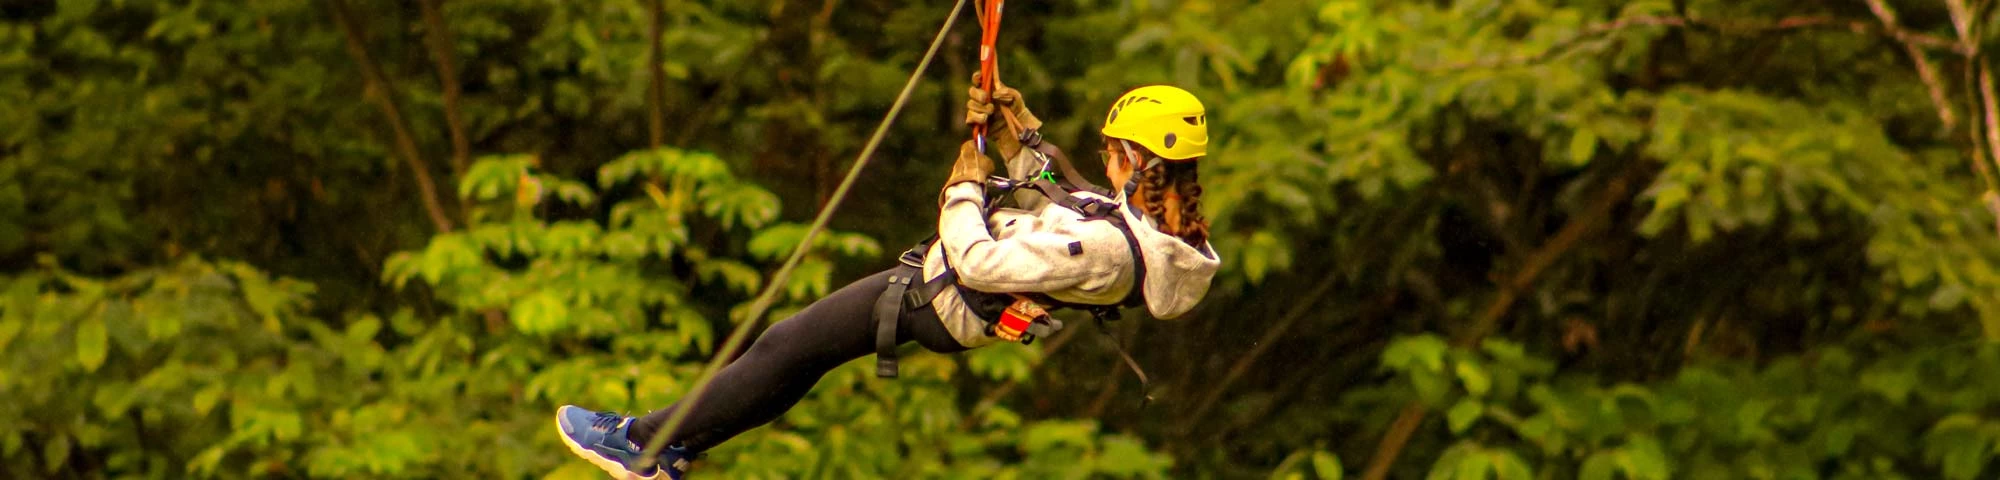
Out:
{"x": 611, "y": 467}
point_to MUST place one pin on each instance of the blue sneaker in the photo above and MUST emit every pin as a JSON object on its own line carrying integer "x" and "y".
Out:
{"x": 600, "y": 438}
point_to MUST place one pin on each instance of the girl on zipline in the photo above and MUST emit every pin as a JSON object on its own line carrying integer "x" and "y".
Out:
{"x": 985, "y": 277}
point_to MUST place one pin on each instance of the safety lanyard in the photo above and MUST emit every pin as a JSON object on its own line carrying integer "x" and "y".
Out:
{"x": 989, "y": 63}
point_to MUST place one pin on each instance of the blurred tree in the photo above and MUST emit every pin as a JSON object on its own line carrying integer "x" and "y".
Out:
{"x": 1509, "y": 238}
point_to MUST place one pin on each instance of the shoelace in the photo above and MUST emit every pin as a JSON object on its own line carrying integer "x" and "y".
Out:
{"x": 606, "y": 421}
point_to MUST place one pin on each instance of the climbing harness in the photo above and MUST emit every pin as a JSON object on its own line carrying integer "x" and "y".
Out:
{"x": 1029, "y": 321}
{"x": 1019, "y": 317}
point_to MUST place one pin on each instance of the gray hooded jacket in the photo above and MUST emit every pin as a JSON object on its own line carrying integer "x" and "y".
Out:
{"x": 1053, "y": 250}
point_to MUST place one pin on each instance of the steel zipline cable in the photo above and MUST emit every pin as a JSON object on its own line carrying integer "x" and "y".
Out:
{"x": 764, "y": 300}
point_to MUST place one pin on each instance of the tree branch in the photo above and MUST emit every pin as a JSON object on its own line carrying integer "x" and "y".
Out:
{"x": 1987, "y": 133}
{"x": 1787, "y": 23}
{"x": 1925, "y": 72}
{"x": 1271, "y": 337}
{"x": 440, "y": 41}
{"x": 1531, "y": 268}
{"x": 378, "y": 92}
{"x": 437, "y": 37}
{"x": 656, "y": 92}
{"x": 1285, "y": 395}
{"x": 1392, "y": 443}
{"x": 1961, "y": 20}
{"x": 1992, "y": 115}
{"x": 1110, "y": 390}
{"x": 1366, "y": 319}
{"x": 1992, "y": 200}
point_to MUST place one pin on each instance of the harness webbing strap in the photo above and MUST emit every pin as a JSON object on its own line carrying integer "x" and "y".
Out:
{"x": 1090, "y": 208}
{"x": 888, "y": 309}
{"x": 1070, "y": 176}
{"x": 1137, "y": 296}
{"x": 1145, "y": 383}
{"x": 904, "y": 294}
{"x": 1094, "y": 209}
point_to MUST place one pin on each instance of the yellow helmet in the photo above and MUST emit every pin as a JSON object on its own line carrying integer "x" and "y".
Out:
{"x": 1167, "y": 120}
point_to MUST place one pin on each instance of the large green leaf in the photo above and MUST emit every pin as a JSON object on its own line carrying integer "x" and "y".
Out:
{"x": 1327, "y": 466}
{"x": 1463, "y": 414}
{"x": 92, "y": 343}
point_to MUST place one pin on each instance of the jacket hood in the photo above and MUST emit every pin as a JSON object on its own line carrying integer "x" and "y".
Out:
{"x": 1177, "y": 275}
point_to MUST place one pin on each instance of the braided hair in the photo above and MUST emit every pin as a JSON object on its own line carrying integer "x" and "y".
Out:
{"x": 1181, "y": 178}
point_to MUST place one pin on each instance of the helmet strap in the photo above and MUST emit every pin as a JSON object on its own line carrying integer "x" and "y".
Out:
{"x": 1132, "y": 183}
{"x": 1132, "y": 156}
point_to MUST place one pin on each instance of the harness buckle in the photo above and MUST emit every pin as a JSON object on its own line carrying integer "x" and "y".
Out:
{"x": 1031, "y": 138}
{"x": 1017, "y": 321}
{"x": 1090, "y": 207}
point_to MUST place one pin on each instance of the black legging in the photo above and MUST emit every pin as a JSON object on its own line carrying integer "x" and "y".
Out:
{"x": 788, "y": 359}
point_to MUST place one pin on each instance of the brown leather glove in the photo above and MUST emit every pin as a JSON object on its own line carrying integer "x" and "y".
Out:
{"x": 980, "y": 109}
{"x": 981, "y": 105}
{"x": 971, "y": 166}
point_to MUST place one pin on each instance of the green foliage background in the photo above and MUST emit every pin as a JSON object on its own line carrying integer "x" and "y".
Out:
{"x": 1462, "y": 239}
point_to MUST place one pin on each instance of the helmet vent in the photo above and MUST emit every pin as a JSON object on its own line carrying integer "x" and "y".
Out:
{"x": 1196, "y": 120}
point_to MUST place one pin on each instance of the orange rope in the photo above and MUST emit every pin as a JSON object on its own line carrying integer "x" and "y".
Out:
{"x": 989, "y": 62}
